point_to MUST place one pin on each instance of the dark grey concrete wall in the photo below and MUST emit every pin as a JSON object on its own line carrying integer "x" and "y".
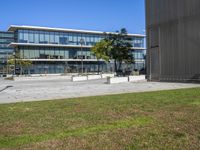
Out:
{"x": 173, "y": 40}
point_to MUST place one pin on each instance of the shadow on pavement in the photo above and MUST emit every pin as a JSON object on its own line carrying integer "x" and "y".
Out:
{"x": 5, "y": 88}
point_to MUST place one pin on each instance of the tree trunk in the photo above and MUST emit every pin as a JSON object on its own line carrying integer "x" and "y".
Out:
{"x": 115, "y": 66}
{"x": 20, "y": 70}
{"x": 120, "y": 68}
{"x": 98, "y": 66}
{"x": 120, "y": 65}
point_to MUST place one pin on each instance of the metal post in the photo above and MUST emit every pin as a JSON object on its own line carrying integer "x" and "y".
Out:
{"x": 82, "y": 58}
{"x": 81, "y": 41}
{"x": 6, "y": 63}
{"x": 14, "y": 72}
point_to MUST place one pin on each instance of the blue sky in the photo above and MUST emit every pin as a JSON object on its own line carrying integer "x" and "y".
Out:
{"x": 103, "y": 15}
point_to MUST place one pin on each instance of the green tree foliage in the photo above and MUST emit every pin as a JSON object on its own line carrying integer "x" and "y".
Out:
{"x": 101, "y": 50}
{"x": 19, "y": 62}
{"x": 115, "y": 47}
{"x": 121, "y": 48}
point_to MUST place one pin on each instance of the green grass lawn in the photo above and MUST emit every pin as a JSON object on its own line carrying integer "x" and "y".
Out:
{"x": 151, "y": 120}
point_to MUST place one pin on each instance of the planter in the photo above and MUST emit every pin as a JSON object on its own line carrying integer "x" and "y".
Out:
{"x": 136, "y": 78}
{"x": 79, "y": 78}
{"x": 107, "y": 75}
{"x": 117, "y": 80}
{"x": 37, "y": 78}
{"x": 92, "y": 77}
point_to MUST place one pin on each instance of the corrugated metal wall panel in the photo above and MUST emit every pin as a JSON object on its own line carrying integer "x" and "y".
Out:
{"x": 178, "y": 22}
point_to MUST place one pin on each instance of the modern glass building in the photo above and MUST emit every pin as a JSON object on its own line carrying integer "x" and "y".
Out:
{"x": 5, "y": 39}
{"x": 56, "y": 50}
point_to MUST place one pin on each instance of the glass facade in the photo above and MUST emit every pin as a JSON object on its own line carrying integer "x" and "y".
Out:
{"x": 27, "y": 52}
{"x": 66, "y": 38}
{"x": 139, "y": 54}
{"x": 62, "y": 38}
{"x": 138, "y": 42}
{"x": 62, "y": 55}
{"x": 59, "y": 51}
{"x": 47, "y": 67}
{"x": 5, "y": 39}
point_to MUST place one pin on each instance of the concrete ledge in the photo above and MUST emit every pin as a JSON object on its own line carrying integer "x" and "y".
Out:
{"x": 39, "y": 75}
{"x": 136, "y": 78}
{"x": 28, "y": 78}
{"x": 92, "y": 77}
{"x": 107, "y": 75}
{"x": 79, "y": 78}
{"x": 117, "y": 80}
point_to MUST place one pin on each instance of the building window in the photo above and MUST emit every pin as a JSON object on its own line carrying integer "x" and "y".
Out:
{"x": 52, "y": 38}
{"x": 41, "y": 37}
{"x": 31, "y": 37}
{"x": 46, "y": 37}
{"x": 57, "y": 38}
{"x": 25, "y": 37}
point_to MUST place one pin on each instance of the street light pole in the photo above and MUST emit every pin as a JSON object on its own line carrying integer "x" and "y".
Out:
{"x": 82, "y": 41}
{"x": 14, "y": 71}
{"x": 6, "y": 63}
{"x": 15, "y": 65}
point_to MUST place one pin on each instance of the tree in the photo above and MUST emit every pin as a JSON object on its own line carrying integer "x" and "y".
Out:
{"x": 18, "y": 61}
{"x": 116, "y": 46}
{"x": 101, "y": 50}
{"x": 121, "y": 48}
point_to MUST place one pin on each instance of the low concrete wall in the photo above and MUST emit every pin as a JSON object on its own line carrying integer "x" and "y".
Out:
{"x": 107, "y": 75}
{"x": 78, "y": 78}
{"x": 28, "y": 78}
{"x": 39, "y": 75}
{"x": 92, "y": 77}
{"x": 117, "y": 80}
{"x": 58, "y": 74}
{"x": 136, "y": 78}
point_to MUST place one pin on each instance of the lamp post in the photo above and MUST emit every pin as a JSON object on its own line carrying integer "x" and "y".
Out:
{"x": 14, "y": 71}
{"x": 6, "y": 63}
{"x": 82, "y": 42}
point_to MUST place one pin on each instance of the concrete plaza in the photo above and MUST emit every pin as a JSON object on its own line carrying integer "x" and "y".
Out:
{"x": 59, "y": 88}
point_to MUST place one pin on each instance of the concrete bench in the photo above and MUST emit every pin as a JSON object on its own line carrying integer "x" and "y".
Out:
{"x": 117, "y": 80}
{"x": 92, "y": 77}
{"x": 107, "y": 75}
{"x": 136, "y": 78}
{"x": 79, "y": 78}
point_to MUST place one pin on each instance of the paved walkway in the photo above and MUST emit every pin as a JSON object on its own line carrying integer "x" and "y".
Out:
{"x": 35, "y": 90}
